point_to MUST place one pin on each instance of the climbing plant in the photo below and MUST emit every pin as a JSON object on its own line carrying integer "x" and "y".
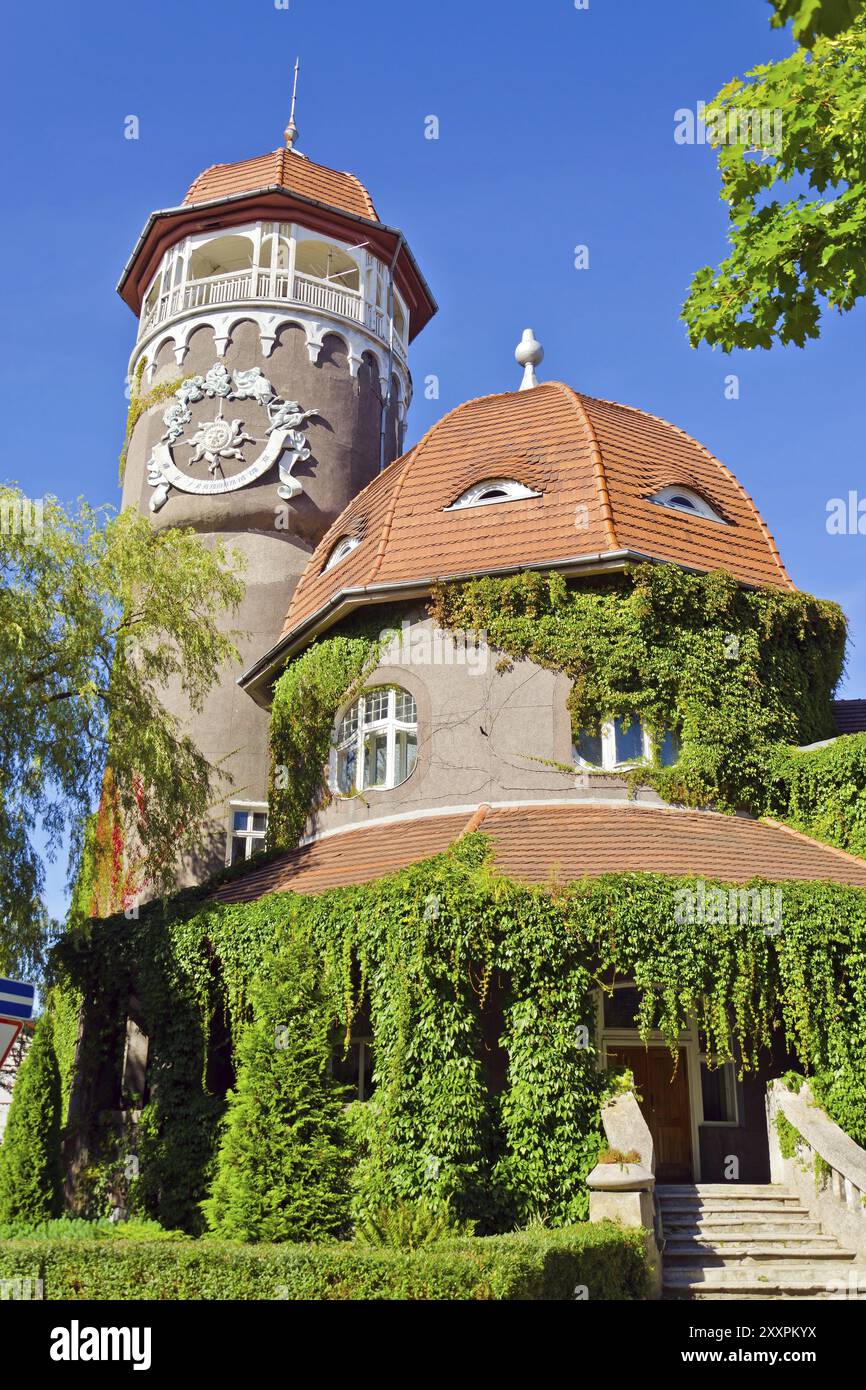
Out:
{"x": 422, "y": 948}
{"x": 734, "y": 672}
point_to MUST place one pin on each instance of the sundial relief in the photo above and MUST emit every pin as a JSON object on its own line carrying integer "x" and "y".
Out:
{"x": 218, "y": 443}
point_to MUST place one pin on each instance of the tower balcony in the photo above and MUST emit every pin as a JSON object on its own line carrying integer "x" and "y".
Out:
{"x": 276, "y": 265}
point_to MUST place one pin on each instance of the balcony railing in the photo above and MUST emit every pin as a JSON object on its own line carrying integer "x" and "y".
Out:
{"x": 238, "y": 286}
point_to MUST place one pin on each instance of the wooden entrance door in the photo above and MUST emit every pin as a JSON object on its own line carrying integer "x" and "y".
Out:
{"x": 664, "y": 1102}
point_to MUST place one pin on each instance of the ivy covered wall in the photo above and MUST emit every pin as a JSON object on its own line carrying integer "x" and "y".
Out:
{"x": 423, "y": 947}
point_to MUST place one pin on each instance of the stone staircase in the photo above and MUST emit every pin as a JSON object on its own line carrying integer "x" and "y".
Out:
{"x": 735, "y": 1241}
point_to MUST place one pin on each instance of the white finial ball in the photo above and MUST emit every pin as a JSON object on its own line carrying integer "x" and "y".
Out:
{"x": 529, "y": 351}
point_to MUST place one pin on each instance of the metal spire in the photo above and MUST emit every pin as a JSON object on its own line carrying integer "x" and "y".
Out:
{"x": 291, "y": 131}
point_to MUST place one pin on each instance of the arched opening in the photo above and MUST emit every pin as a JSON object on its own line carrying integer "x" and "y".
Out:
{"x": 321, "y": 260}
{"x": 221, "y": 256}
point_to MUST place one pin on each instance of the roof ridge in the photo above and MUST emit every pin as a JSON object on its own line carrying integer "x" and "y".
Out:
{"x": 475, "y": 820}
{"x": 810, "y": 840}
{"x": 660, "y": 420}
{"x": 598, "y": 469}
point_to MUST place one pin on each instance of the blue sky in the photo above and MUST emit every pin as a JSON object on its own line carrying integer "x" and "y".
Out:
{"x": 556, "y": 129}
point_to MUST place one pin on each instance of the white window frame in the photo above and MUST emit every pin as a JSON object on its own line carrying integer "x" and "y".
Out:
{"x": 699, "y": 507}
{"x": 341, "y": 548}
{"x": 389, "y": 723}
{"x": 474, "y": 496}
{"x": 608, "y": 750}
{"x": 255, "y": 839}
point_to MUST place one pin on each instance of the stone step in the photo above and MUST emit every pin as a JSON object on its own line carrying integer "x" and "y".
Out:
{"x": 763, "y": 1284}
{"x": 700, "y": 1211}
{"x": 699, "y": 1252}
{"x": 769, "y": 1235}
{"x": 758, "y": 1191}
{"x": 740, "y": 1227}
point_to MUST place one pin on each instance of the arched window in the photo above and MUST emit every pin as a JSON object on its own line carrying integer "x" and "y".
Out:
{"x": 683, "y": 499}
{"x": 620, "y": 743}
{"x": 490, "y": 491}
{"x": 376, "y": 741}
{"x": 345, "y": 545}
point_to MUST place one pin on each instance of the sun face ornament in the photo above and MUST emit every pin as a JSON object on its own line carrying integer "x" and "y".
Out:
{"x": 218, "y": 439}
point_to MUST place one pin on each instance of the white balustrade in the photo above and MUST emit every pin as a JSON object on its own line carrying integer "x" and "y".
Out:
{"x": 252, "y": 284}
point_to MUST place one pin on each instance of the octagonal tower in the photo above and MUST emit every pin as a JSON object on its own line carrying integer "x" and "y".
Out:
{"x": 275, "y": 315}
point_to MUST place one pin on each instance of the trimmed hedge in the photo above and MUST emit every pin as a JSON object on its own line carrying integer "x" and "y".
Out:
{"x": 540, "y": 1264}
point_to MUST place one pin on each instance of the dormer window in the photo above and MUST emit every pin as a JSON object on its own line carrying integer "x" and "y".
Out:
{"x": 683, "y": 499}
{"x": 490, "y": 491}
{"x": 345, "y": 545}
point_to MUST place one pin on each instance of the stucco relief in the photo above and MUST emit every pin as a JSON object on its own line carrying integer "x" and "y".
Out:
{"x": 219, "y": 442}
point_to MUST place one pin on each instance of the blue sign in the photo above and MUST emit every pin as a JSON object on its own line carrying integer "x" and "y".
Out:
{"x": 16, "y": 999}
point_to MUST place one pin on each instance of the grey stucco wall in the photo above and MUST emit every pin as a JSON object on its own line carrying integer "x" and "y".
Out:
{"x": 484, "y": 735}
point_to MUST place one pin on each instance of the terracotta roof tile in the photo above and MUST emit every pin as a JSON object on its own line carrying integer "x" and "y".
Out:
{"x": 568, "y": 842}
{"x": 596, "y": 465}
{"x": 289, "y": 170}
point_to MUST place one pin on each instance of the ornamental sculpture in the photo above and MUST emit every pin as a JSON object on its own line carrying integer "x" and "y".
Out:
{"x": 219, "y": 440}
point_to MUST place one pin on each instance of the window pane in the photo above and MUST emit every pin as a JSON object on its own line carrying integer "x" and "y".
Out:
{"x": 588, "y": 748}
{"x": 260, "y": 820}
{"x": 376, "y": 705}
{"x": 405, "y": 709}
{"x": 347, "y": 763}
{"x": 717, "y": 1092}
{"x": 620, "y": 1007}
{"x": 669, "y": 750}
{"x": 629, "y": 741}
{"x": 239, "y": 849}
{"x": 349, "y": 724}
{"x": 406, "y": 745}
{"x": 239, "y": 820}
{"x": 375, "y": 760}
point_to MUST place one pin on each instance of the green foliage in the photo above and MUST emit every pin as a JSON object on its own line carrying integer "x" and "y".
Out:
{"x": 607, "y": 1260}
{"x": 306, "y": 700}
{"x": 139, "y": 403}
{"x": 283, "y": 1164}
{"x": 408, "y": 1225}
{"x": 73, "y": 1228}
{"x": 813, "y": 19}
{"x": 30, "y": 1174}
{"x": 421, "y": 947}
{"x": 822, "y": 792}
{"x": 789, "y": 1136}
{"x": 733, "y": 671}
{"x": 796, "y": 251}
{"x": 98, "y": 614}
{"x": 822, "y": 1171}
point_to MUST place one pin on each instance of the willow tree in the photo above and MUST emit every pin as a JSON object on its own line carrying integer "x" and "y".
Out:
{"x": 98, "y": 613}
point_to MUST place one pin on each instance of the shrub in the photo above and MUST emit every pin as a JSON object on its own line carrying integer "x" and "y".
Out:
{"x": 607, "y": 1260}
{"x": 284, "y": 1160}
{"x": 31, "y": 1186}
{"x": 408, "y": 1225}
